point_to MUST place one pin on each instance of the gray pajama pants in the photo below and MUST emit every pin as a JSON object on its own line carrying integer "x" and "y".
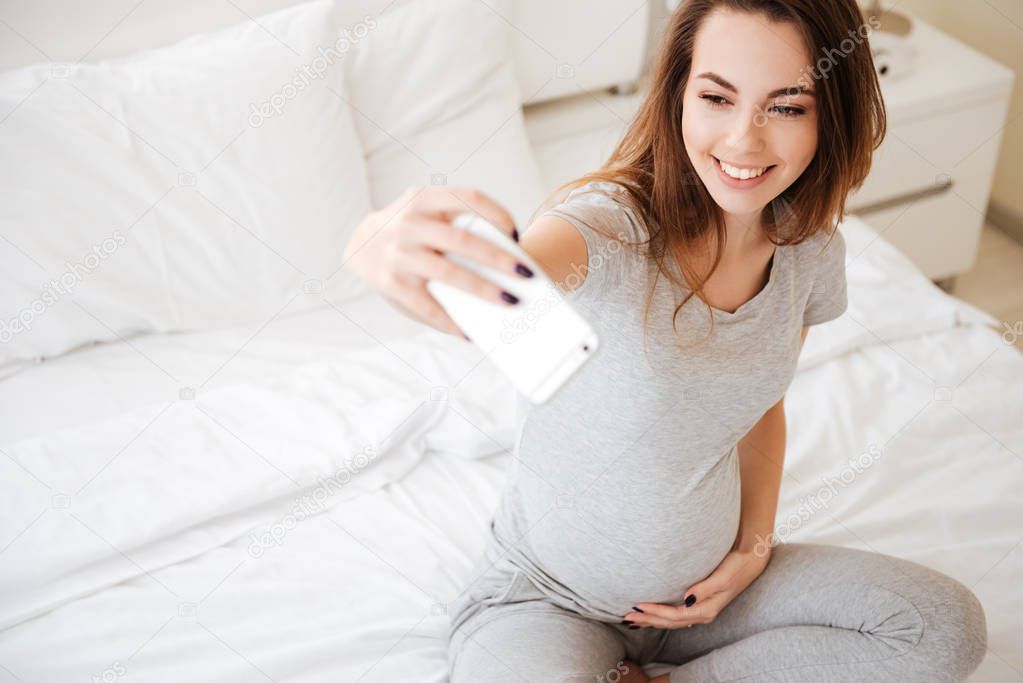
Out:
{"x": 817, "y": 613}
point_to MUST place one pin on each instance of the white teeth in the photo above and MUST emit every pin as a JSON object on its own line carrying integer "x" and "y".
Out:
{"x": 741, "y": 174}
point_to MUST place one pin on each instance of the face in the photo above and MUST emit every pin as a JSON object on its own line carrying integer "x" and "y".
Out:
{"x": 730, "y": 115}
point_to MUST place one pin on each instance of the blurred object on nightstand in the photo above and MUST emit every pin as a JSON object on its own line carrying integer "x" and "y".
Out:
{"x": 891, "y": 42}
{"x": 891, "y": 22}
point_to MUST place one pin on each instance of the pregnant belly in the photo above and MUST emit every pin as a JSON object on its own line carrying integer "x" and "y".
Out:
{"x": 605, "y": 551}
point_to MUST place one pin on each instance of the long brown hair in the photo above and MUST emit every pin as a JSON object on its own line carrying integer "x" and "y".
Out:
{"x": 650, "y": 161}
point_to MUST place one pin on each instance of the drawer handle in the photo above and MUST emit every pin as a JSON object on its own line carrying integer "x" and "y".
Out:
{"x": 940, "y": 187}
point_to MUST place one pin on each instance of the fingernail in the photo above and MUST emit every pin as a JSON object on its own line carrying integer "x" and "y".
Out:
{"x": 690, "y": 600}
{"x": 510, "y": 298}
{"x": 466, "y": 337}
{"x": 523, "y": 270}
{"x": 636, "y": 609}
{"x": 627, "y": 622}
{"x": 515, "y": 234}
{"x": 634, "y": 626}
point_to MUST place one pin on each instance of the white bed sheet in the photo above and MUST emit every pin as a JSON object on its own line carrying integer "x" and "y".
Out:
{"x": 358, "y": 591}
{"x": 105, "y": 380}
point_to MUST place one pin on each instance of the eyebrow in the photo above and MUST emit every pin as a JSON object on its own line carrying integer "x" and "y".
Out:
{"x": 798, "y": 89}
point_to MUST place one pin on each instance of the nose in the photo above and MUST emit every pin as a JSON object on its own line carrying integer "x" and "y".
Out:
{"x": 746, "y": 136}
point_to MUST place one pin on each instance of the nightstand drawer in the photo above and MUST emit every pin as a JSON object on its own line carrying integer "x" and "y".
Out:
{"x": 927, "y": 155}
{"x": 928, "y": 189}
{"x": 939, "y": 234}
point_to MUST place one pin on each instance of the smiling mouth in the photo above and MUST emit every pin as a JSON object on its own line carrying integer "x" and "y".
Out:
{"x": 718, "y": 163}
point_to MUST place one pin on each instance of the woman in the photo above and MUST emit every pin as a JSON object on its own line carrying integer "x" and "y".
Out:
{"x": 637, "y": 522}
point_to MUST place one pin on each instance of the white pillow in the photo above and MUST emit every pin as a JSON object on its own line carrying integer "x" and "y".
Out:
{"x": 436, "y": 100}
{"x": 211, "y": 183}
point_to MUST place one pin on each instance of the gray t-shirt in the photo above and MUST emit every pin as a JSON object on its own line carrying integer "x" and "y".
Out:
{"x": 625, "y": 485}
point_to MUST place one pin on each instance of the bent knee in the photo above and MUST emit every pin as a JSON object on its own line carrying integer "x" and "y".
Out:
{"x": 956, "y": 630}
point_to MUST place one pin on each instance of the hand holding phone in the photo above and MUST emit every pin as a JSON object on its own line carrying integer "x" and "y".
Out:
{"x": 397, "y": 249}
{"x": 538, "y": 342}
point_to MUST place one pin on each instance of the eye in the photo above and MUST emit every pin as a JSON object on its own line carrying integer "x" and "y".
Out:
{"x": 712, "y": 100}
{"x": 717, "y": 102}
{"x": 789, "y": 112}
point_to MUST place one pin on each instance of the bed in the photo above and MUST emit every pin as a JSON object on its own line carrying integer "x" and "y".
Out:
{"x": 298, "y": 497}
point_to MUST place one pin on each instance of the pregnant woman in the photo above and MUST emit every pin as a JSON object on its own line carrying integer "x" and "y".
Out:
{"x": 637, "y": 521}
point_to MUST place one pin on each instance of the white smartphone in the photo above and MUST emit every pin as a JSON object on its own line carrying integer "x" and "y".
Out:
{"x": 539, "y": 342}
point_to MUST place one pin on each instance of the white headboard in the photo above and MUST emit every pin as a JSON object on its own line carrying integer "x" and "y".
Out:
{"x": 560, "y": 47}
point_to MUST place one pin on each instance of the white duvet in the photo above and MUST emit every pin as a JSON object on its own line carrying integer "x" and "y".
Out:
{"x": 299, "y": 502}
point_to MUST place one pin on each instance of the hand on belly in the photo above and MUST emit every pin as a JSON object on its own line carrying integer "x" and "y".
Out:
{"x": 705, "y": 599}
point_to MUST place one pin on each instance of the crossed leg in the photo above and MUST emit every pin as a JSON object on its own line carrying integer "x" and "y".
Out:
{"x": 546, "y": 644}
{"x": 827, "y": 613}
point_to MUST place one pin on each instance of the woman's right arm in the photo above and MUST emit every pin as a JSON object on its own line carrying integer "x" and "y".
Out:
{"x": 397, "y": 249}
{"x": 559, "y": 248}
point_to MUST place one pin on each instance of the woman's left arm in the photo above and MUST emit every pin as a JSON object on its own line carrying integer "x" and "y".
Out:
{"x": 761, "y": 458}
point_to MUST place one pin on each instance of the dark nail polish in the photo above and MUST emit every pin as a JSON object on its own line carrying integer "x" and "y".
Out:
{"x": 523, "y": 270}
{"x": 634, "y": 626}
{"x": 510, "y": 298}
{"x": 636, "y": 609}
{"x": 466, "y": 337}
{"x": 690, "y": 600}
{"x": 627, "y": 622}
{"x": 515, "y": 234}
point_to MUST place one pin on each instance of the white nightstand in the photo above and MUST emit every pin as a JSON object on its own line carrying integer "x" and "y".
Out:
{"x": 930, "y": 181}
{"x": 929, "y": 185}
